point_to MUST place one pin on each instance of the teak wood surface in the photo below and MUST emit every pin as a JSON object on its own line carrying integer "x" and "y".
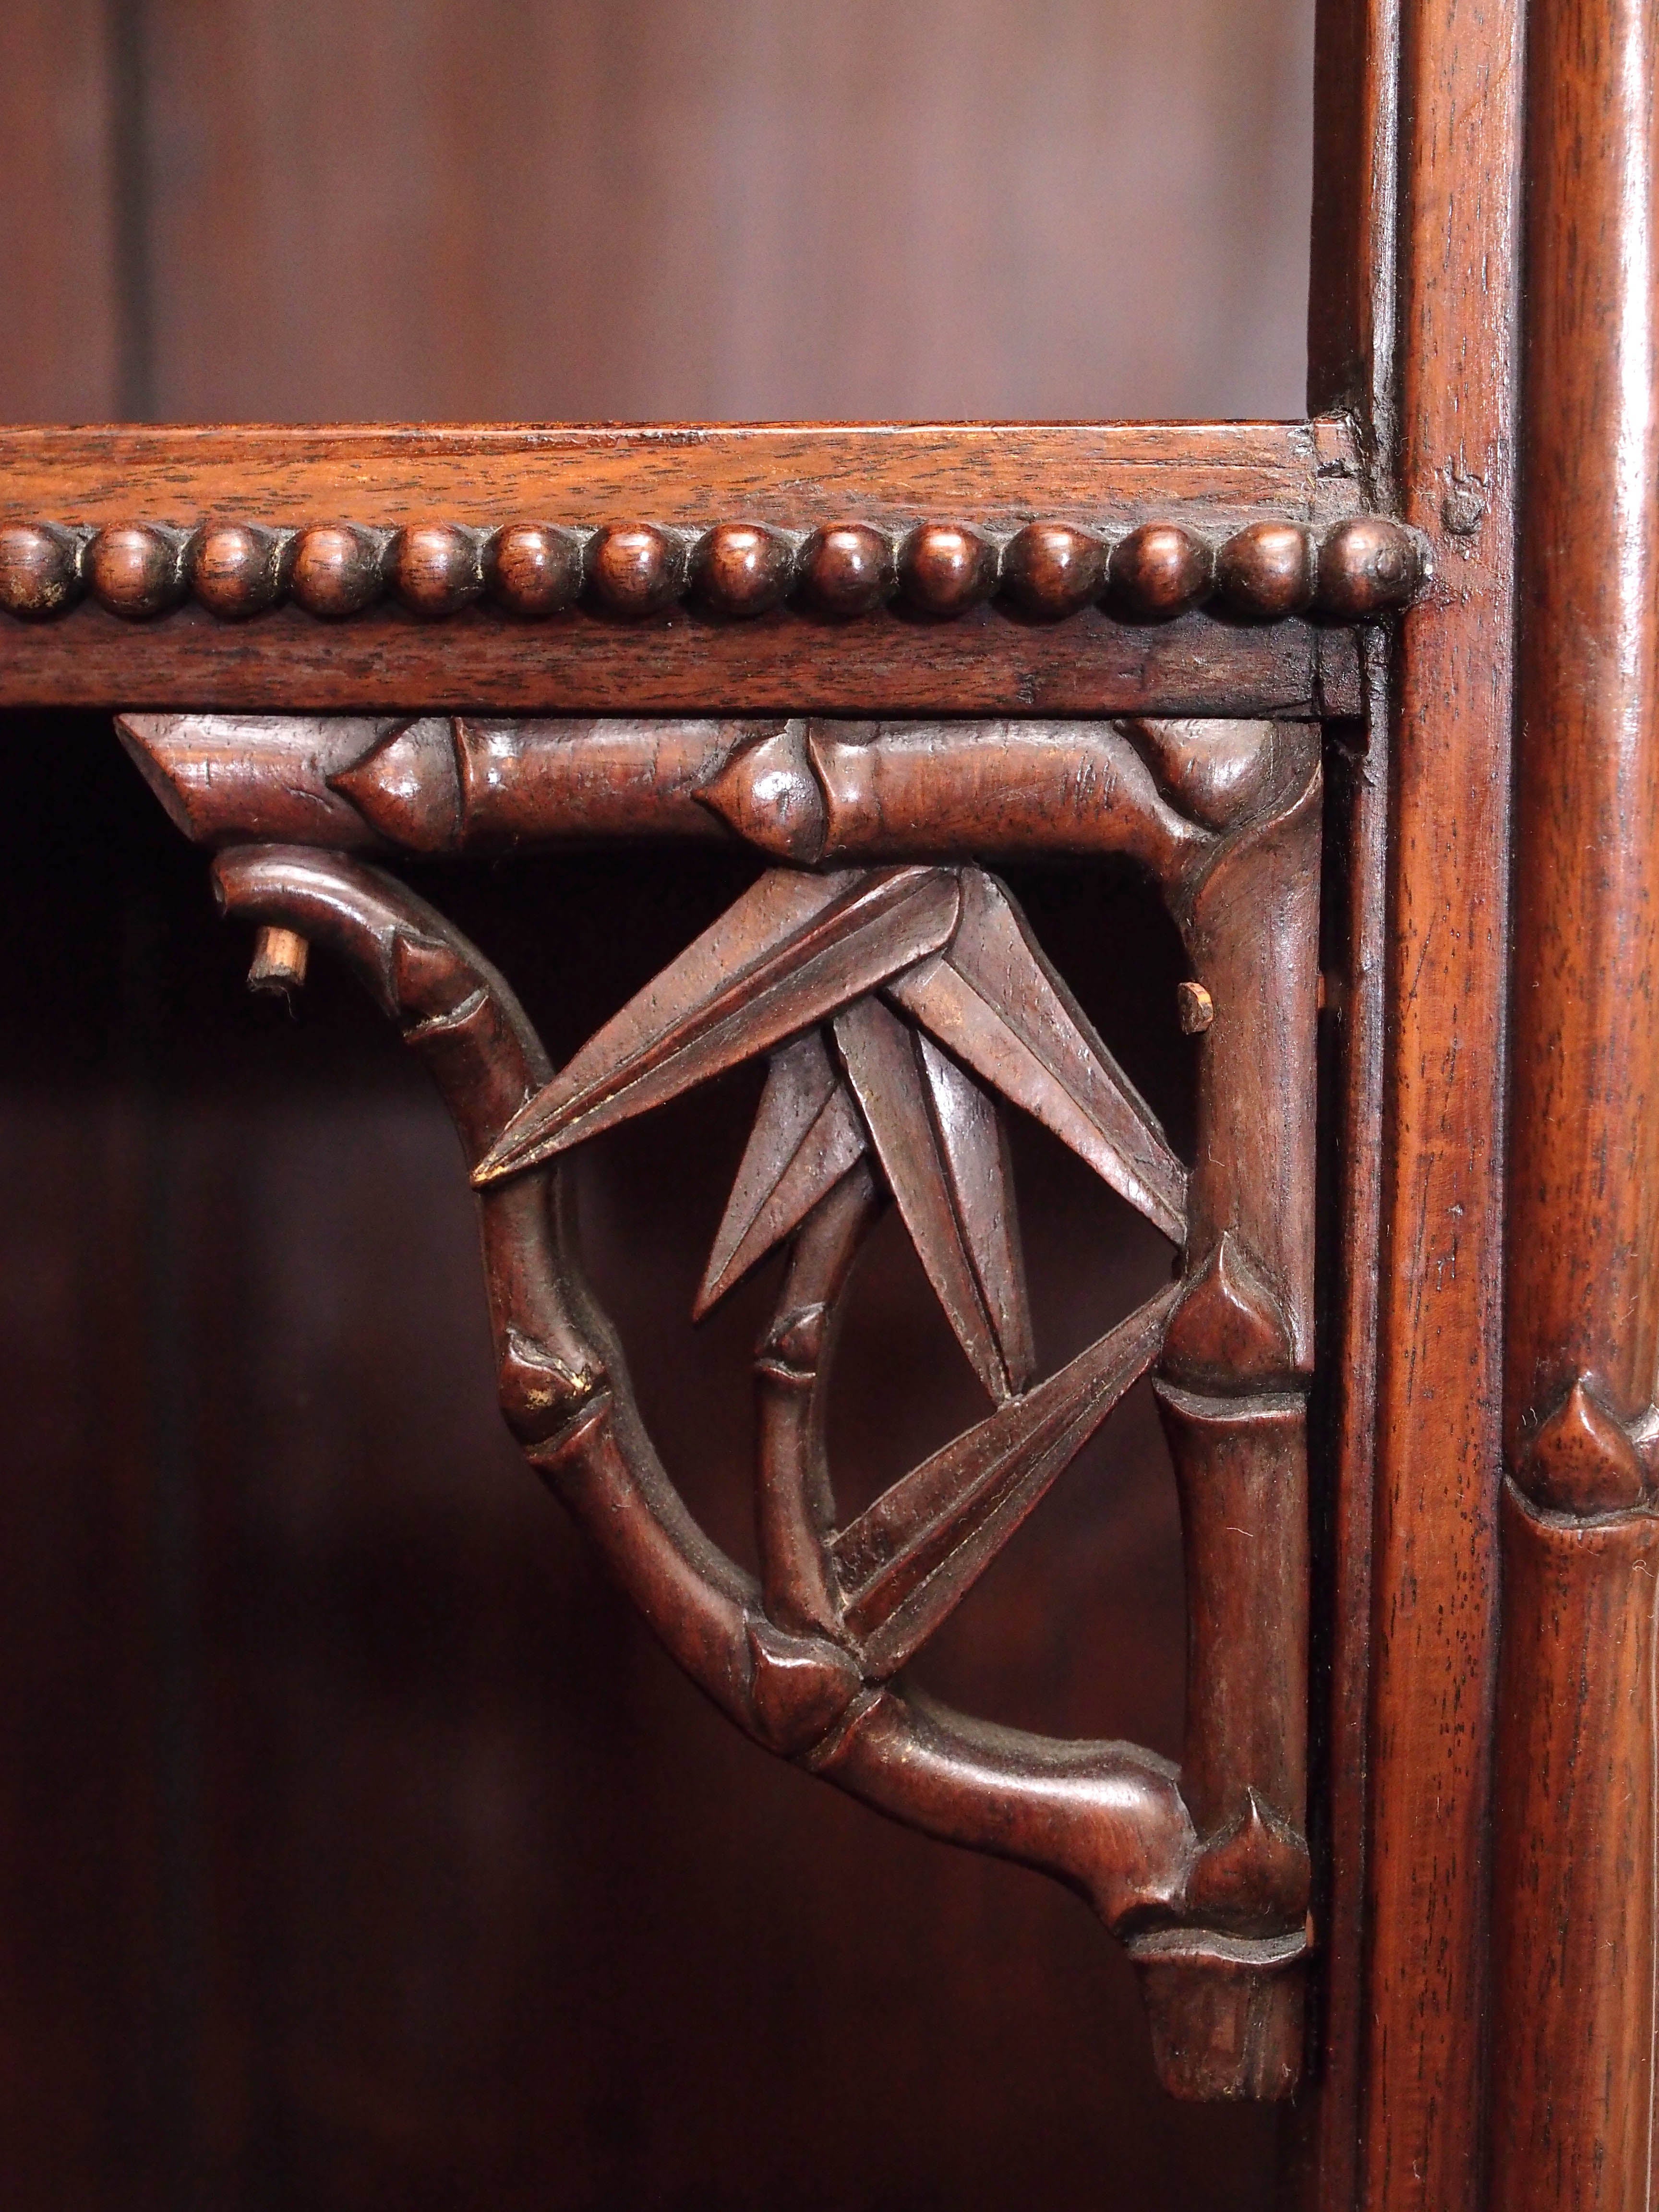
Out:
{"x": 1141, "y": 640}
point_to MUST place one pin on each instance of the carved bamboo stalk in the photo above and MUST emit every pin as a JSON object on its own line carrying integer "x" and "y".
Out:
{"x": 1574, "y": 1920}
{"x": 1233, "y": 1396}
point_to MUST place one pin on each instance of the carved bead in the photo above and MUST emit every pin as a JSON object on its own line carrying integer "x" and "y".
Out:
{"x": 532, "y": 568}
{"x": 1161, "y": 570}
{"x": 435, "y": 568}
{"x": 1052, "y": 569}
{"x": 337, "y": 570}
{"x": 236, "y": 571}
{"x": 137, "y": 571}
{"x": 741, "y": 569}
{"x": 1366, "y": 567}
{"x": 633, "y": 568}
{"x": 847, "y": 569}
{"x": 945, "y": 570}
{"x": 39, "y": 569}
{"x": 1267, "y": 572}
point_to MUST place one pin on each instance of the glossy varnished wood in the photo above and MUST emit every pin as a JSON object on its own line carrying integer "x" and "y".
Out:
{"x": 1576, "y": 1920}
{"x": 382, "y": 476}
{"x": 872, "y": 625}
{"x": 1353, "y": 364}
{"x": 1434, "y": 1604}
{"x": 681, "y": 663}
{"x": 899, "y": 1002}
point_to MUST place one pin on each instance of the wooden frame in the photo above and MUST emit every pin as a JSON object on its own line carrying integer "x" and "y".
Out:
{"x": 1490, "y": 1329}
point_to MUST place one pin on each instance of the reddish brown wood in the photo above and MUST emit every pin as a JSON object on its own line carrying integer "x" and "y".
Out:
{"x": 1052, "y": 569}
{"x": 945, "y": 570}
{"x": 1434, "y": 1597}
{"x": 1268, "y": 571}
{"x": 1160, "y": 570}
{"x": 633, "y": 568}
{"x": 339, "y": 569}
{"x": 1576, "y": 1847}
{"x": 688, "y": 476}
{"x": 42, "y": 569}
{"x": 911, "y": 1557}
{"x": 238, "y": 571}
{"x": 1575, "y": 1924}
{"x": 839, "y": 645}
{"x": 846, "y": 569}
{"x": 780, "y": 664}
{"x": 742, "y": 568}
{"x": 533, "y": 568}
{"x": 435, "y": 567}
{"x": 1352, "y": 365}
{"x": 1210, "y": 1882}
{"x": 137, "y": 571}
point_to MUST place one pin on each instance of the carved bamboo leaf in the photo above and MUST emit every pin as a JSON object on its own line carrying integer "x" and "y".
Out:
{"x": 991, "y": 998}
{"x": 909, "y": 1561}
{"x": 790, "y": 951}
{"x": 806, "y": 1135}
{"x": 940, "y": 1146}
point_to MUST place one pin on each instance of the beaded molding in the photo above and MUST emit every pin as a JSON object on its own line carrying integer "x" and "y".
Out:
{"x": 1357, "y": 571}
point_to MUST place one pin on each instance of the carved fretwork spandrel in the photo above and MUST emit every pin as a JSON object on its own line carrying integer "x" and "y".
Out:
{"x": 902, "y": 1007}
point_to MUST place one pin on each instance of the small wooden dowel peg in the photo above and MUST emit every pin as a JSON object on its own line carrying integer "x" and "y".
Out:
{"x": 279, "y": 962}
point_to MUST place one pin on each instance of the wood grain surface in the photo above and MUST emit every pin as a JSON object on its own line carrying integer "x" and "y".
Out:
{"x": 890, "y": 472}
{"x": 1352, "y": 365}
{"x": 1576, "y": 1916}
{"x": 985, "y": 665}
{"x": 342, "y": 1760}
{"x": 1434, "y": 1587}
{"x": 1223, "y": 476}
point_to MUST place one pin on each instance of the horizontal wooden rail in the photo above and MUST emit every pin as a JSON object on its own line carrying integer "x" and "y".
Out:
{"x": 1074, "y": 568}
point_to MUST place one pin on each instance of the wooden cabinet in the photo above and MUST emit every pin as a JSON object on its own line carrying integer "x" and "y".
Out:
{"x": 1350, "y": 718}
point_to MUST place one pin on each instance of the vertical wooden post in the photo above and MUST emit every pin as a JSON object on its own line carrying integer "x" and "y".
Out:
{"x": 1434, "y": 1584}
{"x": 1351, "y": 370}
{"x": 1574, "y": 1916}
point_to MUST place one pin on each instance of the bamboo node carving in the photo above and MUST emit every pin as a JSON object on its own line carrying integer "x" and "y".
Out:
{"x": 1583, "y": 1459}
{"x": 902, "y": 1008}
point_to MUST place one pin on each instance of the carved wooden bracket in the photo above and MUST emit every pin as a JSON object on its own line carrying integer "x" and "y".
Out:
{"x": 902, "y": 1003}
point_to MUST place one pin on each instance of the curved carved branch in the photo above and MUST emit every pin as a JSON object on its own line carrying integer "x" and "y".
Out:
{"x": 1108, "y": 1819}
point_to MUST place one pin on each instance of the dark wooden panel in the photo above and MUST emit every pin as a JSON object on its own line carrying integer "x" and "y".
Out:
{"x": 62, "y": 359}
{"x": 642, "y": 208}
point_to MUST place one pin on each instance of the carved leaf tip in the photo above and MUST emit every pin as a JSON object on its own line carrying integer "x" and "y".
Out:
{"x": 910, "y": 1560}
{"x": 806, "y": 1136}
{"x": 992, "y": 999}
{"x": 790, "y": 951}
{"x": 939, "y": 1142}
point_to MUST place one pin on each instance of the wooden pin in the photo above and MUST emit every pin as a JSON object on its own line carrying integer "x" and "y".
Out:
{"x": 279, "y": 963}
{"x": 1194, "y": 1007}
